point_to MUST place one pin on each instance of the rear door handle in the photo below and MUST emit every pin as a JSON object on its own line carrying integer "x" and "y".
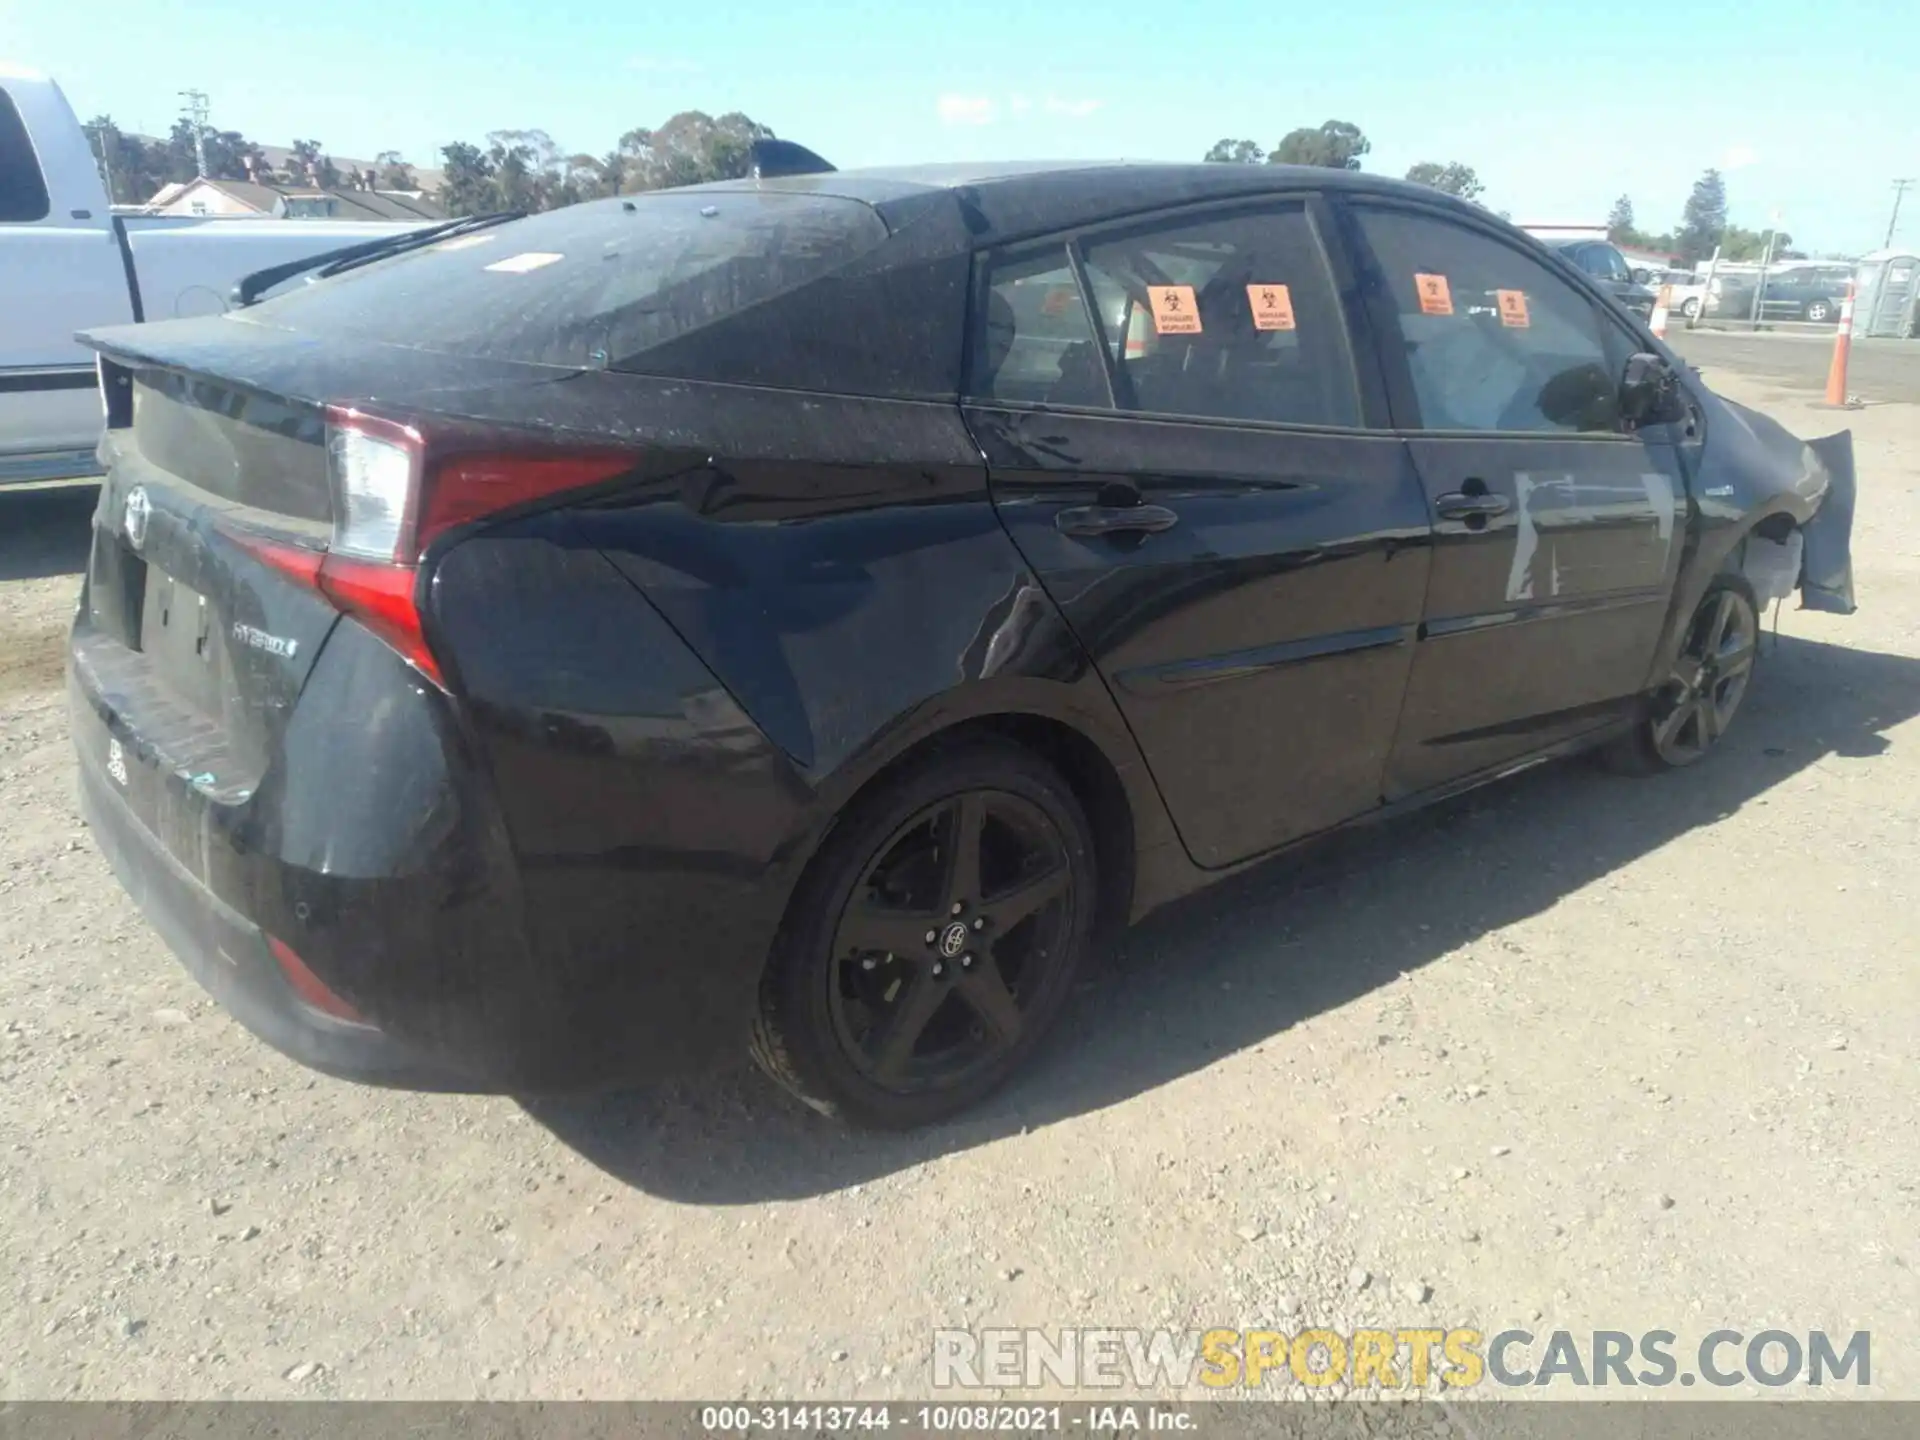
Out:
{"x": 1115, "y": 519}
{"x": 1459, "y": 505}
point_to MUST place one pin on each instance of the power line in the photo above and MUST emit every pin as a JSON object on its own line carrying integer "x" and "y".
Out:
{"x": 1899, "y": 193}
{"x": 197, "y": 110}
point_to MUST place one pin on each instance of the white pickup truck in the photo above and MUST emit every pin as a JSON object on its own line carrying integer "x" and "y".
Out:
{"x": 68, "y": 262}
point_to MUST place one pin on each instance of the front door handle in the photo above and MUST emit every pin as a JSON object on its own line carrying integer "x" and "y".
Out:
{"x": 1460, "y": 505}
{"x": 1115, "y": 519}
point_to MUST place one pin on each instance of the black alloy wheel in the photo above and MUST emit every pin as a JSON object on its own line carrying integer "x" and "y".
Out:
{"x": 934, "y": 944}
{"x": 1696, "y": 704}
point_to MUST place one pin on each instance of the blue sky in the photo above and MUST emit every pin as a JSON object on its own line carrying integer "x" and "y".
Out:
{"x": 1560, "y": 107}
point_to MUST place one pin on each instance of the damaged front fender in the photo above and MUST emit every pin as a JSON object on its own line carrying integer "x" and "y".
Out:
{"x": 1826, "y": 569}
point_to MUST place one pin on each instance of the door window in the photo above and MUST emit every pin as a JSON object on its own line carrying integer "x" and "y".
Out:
{"x": 1034, "y": 344}
{"x": 1228, "y": 316}
{"x": 1494, "y": 340}
{"x": 23, "y": 193}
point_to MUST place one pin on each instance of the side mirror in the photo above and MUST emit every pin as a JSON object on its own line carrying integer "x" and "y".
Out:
{"x": 1650, "y": 392}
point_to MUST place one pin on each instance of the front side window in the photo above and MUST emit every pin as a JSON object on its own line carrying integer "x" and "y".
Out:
{"x": 23, "y": 192}
{"x": 1226, "y": 317}
{"x": 1494, "y": 340}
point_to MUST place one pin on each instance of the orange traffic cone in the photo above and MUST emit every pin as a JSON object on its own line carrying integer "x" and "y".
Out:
{"x": 1842, "y": 343}
{"x": 1660, "y": 308}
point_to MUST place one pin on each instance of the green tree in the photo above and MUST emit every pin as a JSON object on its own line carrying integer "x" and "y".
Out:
{"x": 131, "y": 168}
{"x": 467, "y": 186}
{"x": 1453, "y": 178}
{"x": 228, "y": 152}
{"x": 691, "y": 148}
{"x": 1739, "y": 243}
{"x": 1703, "y": 223}
{"x": 1620, "y": 222}
{"x": 1235, "y": 152}
{"x": 1336, "y": 145}
{"x": 393, "y": 173}
{"x": 527, "y": 170}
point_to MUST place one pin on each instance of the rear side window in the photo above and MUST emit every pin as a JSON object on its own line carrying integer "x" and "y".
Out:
{"x": 1035, "y": 343}
{"x": 597, "y": 285}
{"x": 1223, "y": 317}
{"x": 1494, "y": 340}
{"x": 23, "y": 191}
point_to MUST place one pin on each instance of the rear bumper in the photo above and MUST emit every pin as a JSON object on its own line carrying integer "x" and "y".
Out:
{"x": 228, "y": 955}
{"x": 379, "y": 856}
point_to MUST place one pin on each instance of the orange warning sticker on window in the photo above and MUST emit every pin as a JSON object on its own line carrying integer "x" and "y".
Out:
{"x": 1513, "y": 308}
{"x": 1059, "y": 300}
{"x": 1435, "y": 298}
{"x": 1272, "y": 307}
{"x": 1175, "y": 311}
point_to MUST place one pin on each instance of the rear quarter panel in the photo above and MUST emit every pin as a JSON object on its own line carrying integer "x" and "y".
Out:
{"x": 838, "y": 570}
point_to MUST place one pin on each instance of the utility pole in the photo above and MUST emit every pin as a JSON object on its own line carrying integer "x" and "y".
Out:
{"x": 197, "y": 110}
{"x": 1899, "y": 192}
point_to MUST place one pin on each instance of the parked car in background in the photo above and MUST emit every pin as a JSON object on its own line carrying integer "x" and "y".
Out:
{"x": 67, "y": 262}
{"x": 800, "y": 615}
{"x": 1686, "y": 290}
{"x": 1805, "y": 292}
{"x": 1605, "y": 263}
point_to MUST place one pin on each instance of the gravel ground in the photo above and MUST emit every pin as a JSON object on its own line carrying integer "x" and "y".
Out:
{"x": 1576, "y": 1052}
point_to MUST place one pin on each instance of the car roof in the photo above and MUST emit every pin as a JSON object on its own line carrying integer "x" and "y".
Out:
{"x": 1006, "y": 199}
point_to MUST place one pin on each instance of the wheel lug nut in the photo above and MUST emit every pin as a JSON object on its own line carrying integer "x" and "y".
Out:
{"x": 958, "y": 906}
{"x": 966, "y": 962}
{"x": 938, "y": 969}
{"x": 868, "y": 963}
{"x": 930, "y": 937}
{"x": 979, "y": 924}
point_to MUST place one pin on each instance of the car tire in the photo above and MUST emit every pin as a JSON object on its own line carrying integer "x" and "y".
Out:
{"x": 1691, "y": 308}
{"x": 1819, "y": 311}
{"x": 866, "y": 1020}
{"x": 1687, "y": 716}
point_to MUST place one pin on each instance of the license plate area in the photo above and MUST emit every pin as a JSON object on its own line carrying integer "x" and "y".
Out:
{"x": 179, "y": 633}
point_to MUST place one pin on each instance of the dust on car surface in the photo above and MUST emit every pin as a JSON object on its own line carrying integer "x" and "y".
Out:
{"x": 1576, "y": 1052}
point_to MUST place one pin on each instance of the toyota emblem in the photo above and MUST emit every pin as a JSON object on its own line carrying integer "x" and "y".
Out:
{"x": 139, "y": 508}
{"x": 953, "y": 940}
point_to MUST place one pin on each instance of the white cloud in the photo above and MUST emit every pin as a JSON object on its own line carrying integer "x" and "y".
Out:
{"x": 1077, "y": 109}
{"x": 1019, "y": 104}
{"x": 1739, "y": 157}
{"x": 965, "y": 110}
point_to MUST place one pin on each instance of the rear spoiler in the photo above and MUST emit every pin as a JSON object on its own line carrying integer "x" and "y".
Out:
{"x": 769, "y": 159}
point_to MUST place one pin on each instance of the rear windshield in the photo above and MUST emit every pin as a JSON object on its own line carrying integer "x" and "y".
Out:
{"x": 590, "y": 286}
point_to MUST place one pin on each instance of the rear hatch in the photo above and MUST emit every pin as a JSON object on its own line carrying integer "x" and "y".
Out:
{"x": 200, "y": 619}
{"x": 272, "y": 470}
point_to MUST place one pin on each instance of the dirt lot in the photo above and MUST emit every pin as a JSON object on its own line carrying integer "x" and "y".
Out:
{"x": 1575, "y": 1052}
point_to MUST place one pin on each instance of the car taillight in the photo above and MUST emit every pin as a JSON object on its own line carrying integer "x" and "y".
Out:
{"x": 393, "y": 496}
{"x": 376, "y": 468}
{"x": 311, "y": 989}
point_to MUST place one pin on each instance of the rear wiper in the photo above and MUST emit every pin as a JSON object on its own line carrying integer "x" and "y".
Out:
{"x": 332, "y": 262}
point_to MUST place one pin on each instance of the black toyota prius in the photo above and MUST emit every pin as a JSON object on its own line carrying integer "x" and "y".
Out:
{"x": 804, "y": 613}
